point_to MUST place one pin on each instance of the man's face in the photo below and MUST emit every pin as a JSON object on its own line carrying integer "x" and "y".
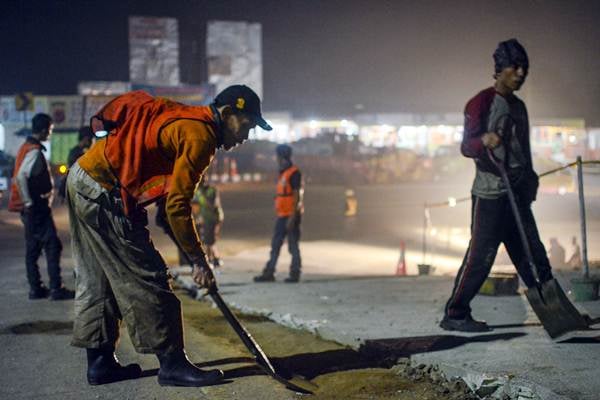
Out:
{"x": 236, "y": 128}
{"x": 513, "y": 77}
{"x": 46, "y": 134}
{"x": 282, "y": 162}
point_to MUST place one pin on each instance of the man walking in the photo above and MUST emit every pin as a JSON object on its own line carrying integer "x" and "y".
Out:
{"x": 289, "y": 208}
{"x": 497, "y": 120}
{"x": 31, "y": 195}
{"x": 153, "y": 148}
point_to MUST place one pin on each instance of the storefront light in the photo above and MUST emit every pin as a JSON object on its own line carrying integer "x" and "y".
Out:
{"x": 572, "y": 139}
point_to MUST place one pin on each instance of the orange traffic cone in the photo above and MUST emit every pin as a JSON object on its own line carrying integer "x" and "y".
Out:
{"x": 401, "y": 266}
{"x": 233, "y": 171}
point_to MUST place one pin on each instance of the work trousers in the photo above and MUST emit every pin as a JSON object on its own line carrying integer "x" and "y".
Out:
{"x": 119, "y": 274}
{"x": 293, "y": 238}
{"x": 492, "y": 223}
{"x": 40, "y": 234}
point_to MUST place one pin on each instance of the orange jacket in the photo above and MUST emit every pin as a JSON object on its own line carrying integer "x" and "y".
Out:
{"x": 284, "y": 200}
{"x": 15, "y": 203}
{"x": 134, "y": 121}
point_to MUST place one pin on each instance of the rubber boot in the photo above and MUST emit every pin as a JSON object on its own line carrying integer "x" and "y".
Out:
{"x": 104, "y": 367}
{"x": 62, "y": 293}
{"x": 177, "y": 370}
{"x": 38, "y": 292}
{"x": 265, "y": 276}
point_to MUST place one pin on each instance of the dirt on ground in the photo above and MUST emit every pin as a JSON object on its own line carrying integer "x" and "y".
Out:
{"x": 331, "y": 370}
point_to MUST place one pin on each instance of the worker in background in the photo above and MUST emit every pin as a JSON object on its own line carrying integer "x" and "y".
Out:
{"x": 31, "y": 195}
{"x": 351, "y": 204}
{"x": 289, "y": 207}
{"x": 86, "y": 139}
{"x": 208, "y": 212}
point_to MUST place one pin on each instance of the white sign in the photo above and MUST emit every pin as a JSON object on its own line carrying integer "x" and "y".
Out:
{"x": 153, "y": 51}
{"x": 234, "y": 51}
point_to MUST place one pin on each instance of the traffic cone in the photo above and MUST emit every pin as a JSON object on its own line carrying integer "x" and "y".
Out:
{"x": 233, "y": 171}
{"x": 401, "y": 266}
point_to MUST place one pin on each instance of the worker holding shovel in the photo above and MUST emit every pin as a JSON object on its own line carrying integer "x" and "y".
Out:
{"x": 496, "y": 121}
{"x": 151, "y": 149}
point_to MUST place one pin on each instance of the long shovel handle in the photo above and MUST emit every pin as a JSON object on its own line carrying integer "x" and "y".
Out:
{"x": 244, "y": 335}
{"x": 259, "y": 355}
{"x": 517, "y": 214}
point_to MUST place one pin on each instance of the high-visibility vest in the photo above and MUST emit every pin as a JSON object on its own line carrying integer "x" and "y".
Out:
{"x": 284, "y": 200}
{"x": 206, "y": 198}
{"x": 134, "y": 121}
{"x": 15, "y": 203}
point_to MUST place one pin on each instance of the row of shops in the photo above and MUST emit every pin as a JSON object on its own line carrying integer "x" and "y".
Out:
{"x": 428, "y": 135}
{"x": 434, "y": 134}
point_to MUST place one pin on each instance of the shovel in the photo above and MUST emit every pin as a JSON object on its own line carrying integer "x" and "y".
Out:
{"x": 550, "y": 303}
{"x": 259, "y": 355}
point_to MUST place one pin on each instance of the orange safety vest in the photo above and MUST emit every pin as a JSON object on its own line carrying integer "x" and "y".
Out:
{"x": 284, "y": 200}
{"x": 15, "y": 203}
{"x": 134, "y": 121}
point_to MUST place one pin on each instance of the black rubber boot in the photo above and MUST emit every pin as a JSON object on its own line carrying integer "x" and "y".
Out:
{"x": 177, "y": 370}
{"x": 62, "y": 293}
{"x": 265, "y": 277}
{"x": 104, "y": 367}
{"x": 467, "y": 324}
{"x": 293, "y": 278}
{"x": 39, "y": 292}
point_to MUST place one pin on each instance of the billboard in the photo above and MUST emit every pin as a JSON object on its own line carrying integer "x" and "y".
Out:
{"x": 153, "y": 51}
{"x": 234, "y": 51}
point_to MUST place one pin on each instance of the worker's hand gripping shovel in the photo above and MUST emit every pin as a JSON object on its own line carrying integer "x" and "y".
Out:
{"x": 550, "y": 303}
{"x": 299, "y": 384}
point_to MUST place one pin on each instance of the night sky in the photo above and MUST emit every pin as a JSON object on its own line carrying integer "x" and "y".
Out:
{"x": 323, "y": 57}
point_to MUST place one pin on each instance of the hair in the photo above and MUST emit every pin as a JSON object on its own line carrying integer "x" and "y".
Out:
{"x": 85, "y": 132}
{"x": 40, "y": 122}
{"x": 510, "y": 53}
{"x": 284, "y": 151}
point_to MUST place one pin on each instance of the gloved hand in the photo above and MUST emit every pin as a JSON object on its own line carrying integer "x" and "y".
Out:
{"x": 203, "y": 276}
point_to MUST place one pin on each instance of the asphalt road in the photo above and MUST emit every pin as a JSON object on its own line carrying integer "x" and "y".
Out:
{"x": 390, "y": 213}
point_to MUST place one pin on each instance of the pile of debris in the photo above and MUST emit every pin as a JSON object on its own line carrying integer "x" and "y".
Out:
{"x": 464, "y": 388}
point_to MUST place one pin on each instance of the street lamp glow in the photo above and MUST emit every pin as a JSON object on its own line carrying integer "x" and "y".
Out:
{"x": 452, "y": 201}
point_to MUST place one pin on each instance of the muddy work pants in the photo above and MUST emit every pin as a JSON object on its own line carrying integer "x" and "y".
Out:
{"x": 492, "y": 223}
{"x": 119, "y": 274}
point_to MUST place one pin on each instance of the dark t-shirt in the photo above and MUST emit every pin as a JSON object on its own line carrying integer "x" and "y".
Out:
{"x": 74, "y": 154}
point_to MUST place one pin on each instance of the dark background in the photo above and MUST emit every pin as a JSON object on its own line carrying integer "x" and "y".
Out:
{"x": 325, "y": 57}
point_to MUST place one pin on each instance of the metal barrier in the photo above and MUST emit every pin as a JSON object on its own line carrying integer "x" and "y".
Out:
{"x": 452, "y": 202}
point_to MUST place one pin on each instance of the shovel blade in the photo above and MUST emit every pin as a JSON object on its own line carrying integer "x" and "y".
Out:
{"x": 554, "y": 309}
{"x": 298, "y": 385}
